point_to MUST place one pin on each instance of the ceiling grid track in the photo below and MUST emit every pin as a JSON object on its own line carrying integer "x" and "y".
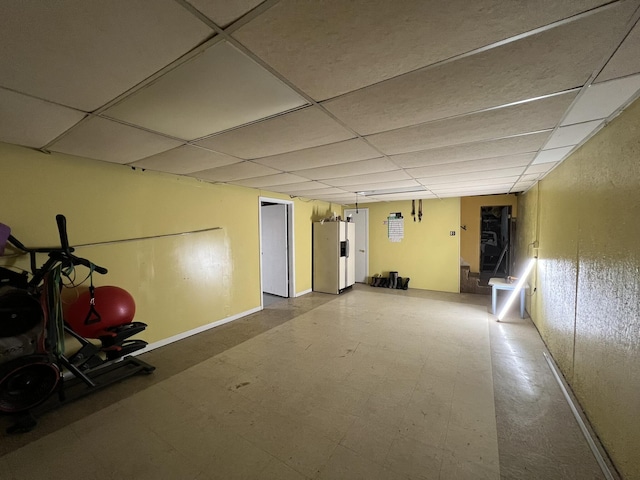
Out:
{"x": 472, "y": 99}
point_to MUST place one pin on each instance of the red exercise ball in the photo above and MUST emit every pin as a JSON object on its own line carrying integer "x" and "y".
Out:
{"x": 113, "y": 306}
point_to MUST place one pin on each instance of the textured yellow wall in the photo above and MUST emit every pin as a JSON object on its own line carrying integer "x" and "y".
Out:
{"x": 179, "y": 283}
{"x": 588, "y": 286}
{"x": 427, "y": 254}
{"x": 470, "y": 217}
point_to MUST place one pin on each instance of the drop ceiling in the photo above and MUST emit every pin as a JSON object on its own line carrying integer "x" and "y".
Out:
{"x": 330, "y": 100}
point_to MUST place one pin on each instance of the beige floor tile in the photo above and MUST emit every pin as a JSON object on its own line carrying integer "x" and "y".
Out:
{"x": 159, "y": 409}
{"x": 473, "y": 391}
{"x": 381, "y": 412}
{"x": 204, "y": 396}
{"x": 347, "y": 464}
{"x": 128, "y": 448}
{"x": 436, "y": 369}
{"x": 370, "y": 384}
{"x": 302, "y": 448}
{"x": 454, "y": 468}
{"x": 434, "y": 389}
{"x": 237, "y": 459}
{"x": 415, "y": 460}
{"x": 392, "y": 392}
{"x": 469, "y": 444}
{"x": 370, "y": 439}
{"x": 277, "y": 470}
{"x": 331, "y": 424}
{"x": 337, "y": 397}
{"x": 5, "y": 472}
{"x": 60, "y": 455}
{"x": 426, "y": 422}
{"x": 475, "y": 416}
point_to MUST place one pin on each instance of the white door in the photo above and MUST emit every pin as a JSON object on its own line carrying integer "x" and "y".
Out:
{"x": 361, "y": 219}
{"x": 275, "y": 258}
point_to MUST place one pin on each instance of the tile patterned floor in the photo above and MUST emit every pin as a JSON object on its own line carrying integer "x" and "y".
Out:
{"x": 371, "y": 384}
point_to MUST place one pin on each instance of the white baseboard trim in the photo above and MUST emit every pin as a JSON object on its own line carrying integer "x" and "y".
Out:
{"x": 195, "y": 331}
{"x": 299, "y": 294}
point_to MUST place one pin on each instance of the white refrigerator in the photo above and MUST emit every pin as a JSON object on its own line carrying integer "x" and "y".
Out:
{"x": 334, "y": 267}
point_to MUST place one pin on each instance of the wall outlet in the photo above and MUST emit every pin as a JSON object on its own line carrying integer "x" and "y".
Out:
{"x": 452, "y": 233}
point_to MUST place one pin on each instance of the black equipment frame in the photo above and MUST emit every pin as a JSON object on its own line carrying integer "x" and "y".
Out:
{"x": 87, "y": 371}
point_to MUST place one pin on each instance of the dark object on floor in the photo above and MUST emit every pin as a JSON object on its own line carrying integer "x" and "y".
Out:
{"x": 393, "y": 279}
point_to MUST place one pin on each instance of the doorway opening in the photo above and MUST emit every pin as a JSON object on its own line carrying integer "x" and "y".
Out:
{"x": 277, "y": 278}
{"x": 497, "y": 229}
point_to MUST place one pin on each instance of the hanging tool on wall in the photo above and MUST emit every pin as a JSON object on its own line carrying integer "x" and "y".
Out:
{"x": 413, "y": 209}
{"x": 419, "y": 210}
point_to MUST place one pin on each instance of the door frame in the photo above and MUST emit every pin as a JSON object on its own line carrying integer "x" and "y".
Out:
{"x": 290, "y": 243}
{"x": 510, "y": 239}
{"x": 366, "y": 247}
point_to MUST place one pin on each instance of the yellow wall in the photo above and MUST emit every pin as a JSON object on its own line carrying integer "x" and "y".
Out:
{"x": 470, "y": 217}
{"x": 427, "y": 254}
{"x": 587, "y": 302}
{"x": 179, "y": 283}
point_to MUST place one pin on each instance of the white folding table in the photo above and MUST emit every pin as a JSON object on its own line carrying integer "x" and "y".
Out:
{"x": 502, "y": 284}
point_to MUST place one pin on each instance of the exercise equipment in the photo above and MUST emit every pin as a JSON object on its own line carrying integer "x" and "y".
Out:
{"x": 100, "y": 308}
{"x": 33, "y": 361}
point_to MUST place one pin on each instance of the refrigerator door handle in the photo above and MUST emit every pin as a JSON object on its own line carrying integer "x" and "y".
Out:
{"x": 347, "y": 252}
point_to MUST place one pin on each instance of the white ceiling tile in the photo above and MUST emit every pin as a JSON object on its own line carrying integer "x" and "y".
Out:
{"x": 305, "y": 128}
{"x": 185, "y": 159}
{"x": 348, "y": 200}
{"x": 602, "y": 99}
{"x": 469, "y": 166}
{"x": 270, "y": 180}
{"x": 554, "y": 60}
{"x": 333, "y": 154}
{"x": 522, "y": 186}
{"x": 540, "y": 169}
{"x": 379, "y": 186}
{"x": 236, "y": 171}
{"x": 219, "y": 89}
{"x": 326, "y": 52}
{"x": 553, "y": 155}
{"x": 529, "y": 177}
{"x": 472, "y": 151}
{"x": 478, "y": 190}
{"x": 626, "y": 60}
{"x": 469, "y": 180}
{"x": 322, "y": 193}
{"x": 224, "y": 12}
{"x": 403, "y": 196}
{"x": 349, "y": 169}
{"x": 301, "y": 187}
{"x": 362, "y": 199}
{"x": 504, "y": 189}
{"x": 572, "y": 134}
{"x": 365, "y": 179}
{"x": 83, "y": 54}
{"x": 499, "y": 123}
{"x": 103, "y": 139}
{"x": 31, "y": 122}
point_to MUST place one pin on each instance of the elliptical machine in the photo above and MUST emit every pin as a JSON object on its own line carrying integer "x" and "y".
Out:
{"x": 33, "y": 361}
